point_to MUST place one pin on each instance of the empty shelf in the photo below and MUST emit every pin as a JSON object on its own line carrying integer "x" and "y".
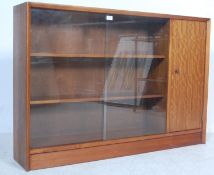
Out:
{"x": 93, "y": 99}
{"x": 62, "y": 55}
{"x": 151, "y": 80}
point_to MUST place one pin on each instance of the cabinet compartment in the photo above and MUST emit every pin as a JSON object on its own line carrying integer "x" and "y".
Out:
{"x": 76, "y": 100}
{"x": 66, "y": 123}
{"x": 135, "y": 77}
{"x": 118, "y": 65}
{"x": 131, "y": 35}
{"x": 96, "y": 77}
{"x": 124, "y": 119}
{"x": 65, "y": 78}
{"x": 67, "y": 32}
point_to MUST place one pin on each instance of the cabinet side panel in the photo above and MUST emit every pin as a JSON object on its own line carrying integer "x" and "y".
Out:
{"x": 186, "y": 74}
{"x": 206, "y": 82}
{"x": 20, "y": 85}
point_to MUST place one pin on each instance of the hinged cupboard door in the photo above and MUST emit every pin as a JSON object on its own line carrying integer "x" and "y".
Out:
{"x": 186, "y": 74}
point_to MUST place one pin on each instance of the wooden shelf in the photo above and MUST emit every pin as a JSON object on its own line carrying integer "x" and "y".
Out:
{"x": 92, "y": 99}
{"x": 62, "y": 55}
{"x": 151, "y": 80}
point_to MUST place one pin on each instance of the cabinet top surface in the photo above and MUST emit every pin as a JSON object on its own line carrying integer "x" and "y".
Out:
{"x": 111, "y": 11}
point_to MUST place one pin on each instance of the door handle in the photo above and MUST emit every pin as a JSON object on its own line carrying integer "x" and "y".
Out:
{"x": 177, "y": 71}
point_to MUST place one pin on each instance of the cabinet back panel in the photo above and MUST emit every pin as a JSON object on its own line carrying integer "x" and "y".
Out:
{"x": 187, "y": 61}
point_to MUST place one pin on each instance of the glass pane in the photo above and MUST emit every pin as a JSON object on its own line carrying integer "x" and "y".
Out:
{"x": 135, "y": 77}
{"x": 65, "y": 123}
{"x": 96, "y": 77}
{"x": 67, "y": 32}
{"x": 67, "y": 78}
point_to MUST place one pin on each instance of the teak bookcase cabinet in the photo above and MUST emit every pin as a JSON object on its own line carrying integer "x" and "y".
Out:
{"x": 93, "y": 83}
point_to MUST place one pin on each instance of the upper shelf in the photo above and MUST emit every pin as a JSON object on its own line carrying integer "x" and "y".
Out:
{"x": 93, "y": 99}
{"x": 62, "y": 55}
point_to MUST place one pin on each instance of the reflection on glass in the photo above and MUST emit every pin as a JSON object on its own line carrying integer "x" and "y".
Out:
{"x": 93, "y": 79}
{"x": 136, "y": 75}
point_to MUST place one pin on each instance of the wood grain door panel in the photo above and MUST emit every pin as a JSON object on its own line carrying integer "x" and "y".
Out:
{"x": 186, "y": 74}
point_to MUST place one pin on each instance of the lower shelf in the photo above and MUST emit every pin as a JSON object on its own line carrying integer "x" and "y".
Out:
{"x": 71, "y": 154}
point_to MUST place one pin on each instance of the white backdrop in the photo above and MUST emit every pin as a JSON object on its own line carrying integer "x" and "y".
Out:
{"x": 201, "y": 8}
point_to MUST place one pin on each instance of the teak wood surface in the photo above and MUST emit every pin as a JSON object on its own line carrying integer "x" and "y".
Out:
{"x": 186, "y": 121}
{"x": 21, "y": 86}
{"x": 187, "y": 60}
{"x": 98, "y": 56}
{"x": 206, "y": 77}
{"x": 59, "y": 158}
{"x": 113, "y": 11}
